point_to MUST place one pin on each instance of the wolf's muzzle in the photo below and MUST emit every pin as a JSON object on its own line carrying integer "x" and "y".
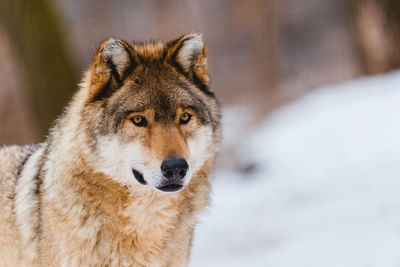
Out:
{"x": 174, "y": 171}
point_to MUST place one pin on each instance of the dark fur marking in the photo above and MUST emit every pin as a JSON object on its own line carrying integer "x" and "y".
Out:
{"x": 22, "y": 165}
{"x": 39, "y": 182}
{"x": 203, "y": 87}
{"x": 178, "y": 67}
{"x": 165, "y": 111}
{"x": 19, "y": 171}
{"x": 114, "y": 72}
{"x": 164, "y": 55}
{"x": 142, "y": 60}
{"x": 171, "y": 44}
{"x": 103, "y": 93}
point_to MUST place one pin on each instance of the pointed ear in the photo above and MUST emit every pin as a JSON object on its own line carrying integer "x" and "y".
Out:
{"x": 112, "y": 62}
{"x": 188, "y": 55}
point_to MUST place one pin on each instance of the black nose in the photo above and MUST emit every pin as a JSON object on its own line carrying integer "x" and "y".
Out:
{"x": 175, "y": 168}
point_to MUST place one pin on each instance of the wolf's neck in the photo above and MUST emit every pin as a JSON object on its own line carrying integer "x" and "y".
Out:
{"x": 96, "y": 212}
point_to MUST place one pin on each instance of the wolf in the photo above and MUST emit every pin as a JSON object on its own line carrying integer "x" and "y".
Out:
{"x": 124, "y": 172}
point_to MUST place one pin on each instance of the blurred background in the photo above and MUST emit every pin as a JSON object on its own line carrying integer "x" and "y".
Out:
{"x": 309, "y": 170}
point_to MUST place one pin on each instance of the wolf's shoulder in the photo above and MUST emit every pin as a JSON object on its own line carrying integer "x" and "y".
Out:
{"x": 11, "y": 157}
{"x": 15, "y": 151}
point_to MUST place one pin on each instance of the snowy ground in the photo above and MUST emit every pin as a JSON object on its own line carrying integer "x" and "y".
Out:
{"x": 326, "y": 189}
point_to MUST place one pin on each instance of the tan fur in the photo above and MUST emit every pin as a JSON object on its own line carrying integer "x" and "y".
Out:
{"x": 73, "y": 200}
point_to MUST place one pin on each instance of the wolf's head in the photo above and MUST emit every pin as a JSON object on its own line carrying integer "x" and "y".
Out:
{"x": 149, "y": 114}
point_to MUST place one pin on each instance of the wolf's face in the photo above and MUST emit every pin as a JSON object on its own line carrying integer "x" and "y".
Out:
{"x": 149, "y": 114}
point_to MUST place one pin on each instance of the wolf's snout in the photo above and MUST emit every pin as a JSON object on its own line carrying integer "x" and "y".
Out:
{"x": 174, "y": 168}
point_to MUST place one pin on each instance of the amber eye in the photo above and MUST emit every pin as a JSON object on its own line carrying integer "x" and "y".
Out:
{"x": 139, "y": 121}
{"x": 185, "y": 118}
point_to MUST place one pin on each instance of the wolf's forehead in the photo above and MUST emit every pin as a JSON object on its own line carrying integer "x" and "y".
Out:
{"x": 159, "y": 96}
{"x": 163, "y": 101}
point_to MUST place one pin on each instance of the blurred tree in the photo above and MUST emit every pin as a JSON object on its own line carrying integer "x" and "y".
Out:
{"x": 36, "y": 36}
{"x": 376, "y": 25}
{"x": 16, "y": 119}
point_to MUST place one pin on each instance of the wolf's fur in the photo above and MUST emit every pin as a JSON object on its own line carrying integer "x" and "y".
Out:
{"x": 74, "y": 199}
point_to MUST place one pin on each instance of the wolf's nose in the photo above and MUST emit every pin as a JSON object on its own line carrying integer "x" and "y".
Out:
{"x": 174, "y": 168}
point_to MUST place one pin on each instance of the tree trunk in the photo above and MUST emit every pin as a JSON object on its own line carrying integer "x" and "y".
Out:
{"x": 376, "y": 25}
{"x": 39, "y": 43}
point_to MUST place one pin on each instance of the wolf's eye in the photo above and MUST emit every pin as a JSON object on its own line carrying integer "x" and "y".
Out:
{"x": 185, "y": 118}
{"x": 139, "y": 121}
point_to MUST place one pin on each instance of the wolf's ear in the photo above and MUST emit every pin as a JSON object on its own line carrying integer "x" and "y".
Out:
{"x": 112, "y": 62}
{"x": 188, "y": 55}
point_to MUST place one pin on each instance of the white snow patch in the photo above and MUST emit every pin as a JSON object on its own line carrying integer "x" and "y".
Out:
{"x": 327, "y": 188}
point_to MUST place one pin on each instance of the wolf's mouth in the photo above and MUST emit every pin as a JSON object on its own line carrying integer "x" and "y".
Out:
{"x": 139, "y": 177}
{"x": 170, "y": 188}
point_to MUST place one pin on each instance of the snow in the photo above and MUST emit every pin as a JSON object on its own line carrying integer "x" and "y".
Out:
{"x": 325, "y": 190}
